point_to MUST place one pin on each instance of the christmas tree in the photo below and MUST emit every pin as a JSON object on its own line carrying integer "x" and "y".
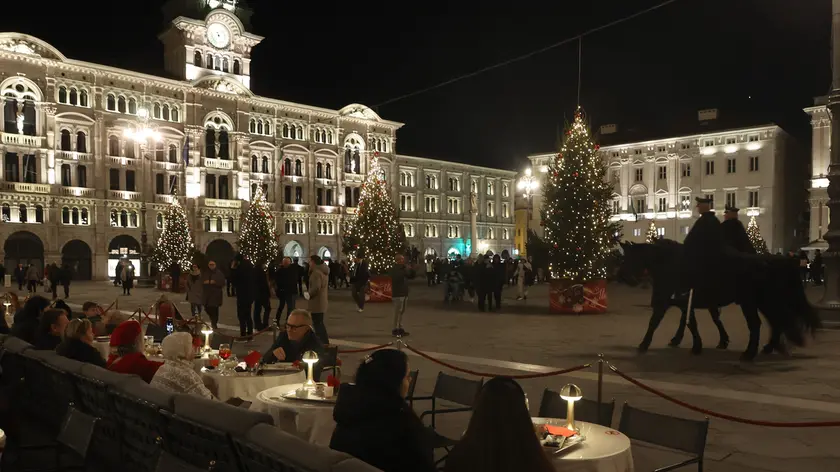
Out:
{"x": 576, "y": 213}
{"x": 651, "y": 235}
{"x": 175, "y": 243}
{"x": 376, "y": 231}
{"x": 754, "y": 233}
{"x": 257, "y": 239}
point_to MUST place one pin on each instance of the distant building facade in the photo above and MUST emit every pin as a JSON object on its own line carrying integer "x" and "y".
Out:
{"x": 818, "y": 181}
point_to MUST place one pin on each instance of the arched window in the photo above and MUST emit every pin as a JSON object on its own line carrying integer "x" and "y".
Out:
{"x": 298, "y": 167}
{"x": 165, "y": 112}
{"x": 111, "y": 102}
{"x": 285, "y": 130}
{"x": 173, "y": 153}
{"x": 319, "y": 170}
{"x": 300, "y": 227}
{"x": 114, "y": 218}
{"x": 210, "y": 143}
{"x": 225, "y": 64}
{"x": 113, "y": 146}
{"x": 39, "y": 214}
{"x": 121, "y": 104}
{"x": 207, "y": 223}
{"x": 81, "y": 176}
{"x": 74, "y": 96}
{"x": 159, "y": 221}
{"x": 265, "y": 165}
{"x": 260, "y": 127}
{"x": 156, "y": 111}
{"x": 219, "y": 224}
{"x": 81, "y": 142}
{"x": 329, "y": 201}
{"x": 288, "y": 226}
{"x": 75, "y": 218}
{"x": 132, "y": 106}
{"x": 252, "y": 125}
{"x": 267, "y": 129}
{"x": 134, "y": 219}
{"x": 209, "y": 61}
{"x": 7, "y": 213}
{"x": 160, "y": 153}
{"x": 176, "y": 114}
{"x": 124, "y": 219}
{"x": 255, "y": 164}
{"x": 300, "y": 132}
{"x": 231, "y": 224}
{"x": 328, "y": 173}
{"x": 23, "y": 214}
{"x": 85, "y": 220}
{"x": 65, "y": 215}
{"x": 197, "y": 58}
{"x": 65, "y": 175}
{"x": 236, "y": 66}
{"x": 83, "y": 98}
{"x": 62, "y": 94}
{"x": 65, "y": 140}
{"x": 287, "y": 166}
{"x": 224, "y": 149}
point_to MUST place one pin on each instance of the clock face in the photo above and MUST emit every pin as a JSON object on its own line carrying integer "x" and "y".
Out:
{"x": 218, "y": 35}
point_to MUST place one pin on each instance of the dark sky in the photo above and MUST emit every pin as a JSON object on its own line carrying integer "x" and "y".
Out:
{"x": 687, "y": 55}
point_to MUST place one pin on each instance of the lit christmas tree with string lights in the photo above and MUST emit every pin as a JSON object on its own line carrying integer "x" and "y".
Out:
{"x": 175, "y": 243}
{"x": 754, "y": 233}
{"x": 651, "y": 233}
{"x": 257, "y": 238}
{"x": 576, "y": 213}
{"x": 375, "y": 231}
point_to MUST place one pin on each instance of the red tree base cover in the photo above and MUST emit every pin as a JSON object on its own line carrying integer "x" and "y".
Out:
{"x": 379, "y": 289}
{"x": 567, "y": 297}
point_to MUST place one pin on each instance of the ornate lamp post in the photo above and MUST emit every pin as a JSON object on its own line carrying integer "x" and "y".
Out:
{"x": 528, "y": 185}
{"x": 142, "y": 133}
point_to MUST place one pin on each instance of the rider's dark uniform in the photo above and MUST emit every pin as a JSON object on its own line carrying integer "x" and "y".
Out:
{"x": 735, "y": 235}
{"x": 704, "y": 247}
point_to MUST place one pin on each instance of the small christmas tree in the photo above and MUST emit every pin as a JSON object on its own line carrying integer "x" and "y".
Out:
{"x": 576, "y": 213}
{"x": 175, "y": 245}
{"x": 754, "y": 233}
{"x": 257, "y": 239}
{"x": 651, "y": 235}
{"x": 376, "y": 230}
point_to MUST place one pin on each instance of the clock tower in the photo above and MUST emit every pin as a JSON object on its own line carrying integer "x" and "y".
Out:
{"x": 208, "y": 38}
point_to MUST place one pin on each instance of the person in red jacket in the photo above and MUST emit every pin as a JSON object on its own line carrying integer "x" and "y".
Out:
{"x": 128, "y": 358}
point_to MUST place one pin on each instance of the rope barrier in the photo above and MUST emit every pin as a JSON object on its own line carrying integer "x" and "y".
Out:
{"x": 485, "y": 374}
{"x": 374, "y": 348}
{"x": 737, "y": 419}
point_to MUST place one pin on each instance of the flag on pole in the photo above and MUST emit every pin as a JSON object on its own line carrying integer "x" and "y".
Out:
{"x": 186, "y": 151}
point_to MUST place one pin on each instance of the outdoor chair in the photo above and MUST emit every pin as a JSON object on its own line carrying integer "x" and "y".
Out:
{"x": 142, "y": 425}
{"x": 681, "y": 434}
{"x": 552, "y": 406}
{"x": 329, "y": 362}
{"x": 411, "y": 386}
{"x": 217, "y": 339}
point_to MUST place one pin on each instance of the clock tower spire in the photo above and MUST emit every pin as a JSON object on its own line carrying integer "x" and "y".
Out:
{"x": 208, "y": 38}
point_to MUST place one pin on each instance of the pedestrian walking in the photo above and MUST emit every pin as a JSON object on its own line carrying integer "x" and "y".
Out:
{"x": 127, "y": 276}
{"x": 65, "y": 275}
{"x": 318, "y": 290}
{"x": 32, "y": 278}
{"x": 262, "y": 298}
{"x": 245, "y": 293}
{"x": 399, "y": 294}
{"x": 195, "y": 290}
{"x": 20, "y": 276}
{"x": 361, "y": 277}
{"x": 285, "y": 286}
{"x": 214, "y": 283}
{"x": 522, "y": 276}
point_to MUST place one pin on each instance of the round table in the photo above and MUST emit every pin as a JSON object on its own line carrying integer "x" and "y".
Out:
{"x": 245, "y": 385}
{"x": 604, "y": 450}
{"x": 310, "y": 421}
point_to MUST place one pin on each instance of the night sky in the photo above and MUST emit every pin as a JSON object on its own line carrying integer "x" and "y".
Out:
{"x": 736, "y": 55}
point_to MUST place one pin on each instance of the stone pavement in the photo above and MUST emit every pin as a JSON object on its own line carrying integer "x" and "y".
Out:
{"x": 524, "y": 338}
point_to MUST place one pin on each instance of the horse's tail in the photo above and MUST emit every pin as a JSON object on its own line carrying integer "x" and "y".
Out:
{"x": 784, "y": 302}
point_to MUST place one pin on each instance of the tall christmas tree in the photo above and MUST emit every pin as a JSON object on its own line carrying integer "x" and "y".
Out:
{"x": 175, "y": 243}
{"x": 376, "y": 230}
{"x": 754, "y": 233}
{"x": 576, "y": 213}
{"x": 257, "y": 238}
{"x": 651, "y": 235}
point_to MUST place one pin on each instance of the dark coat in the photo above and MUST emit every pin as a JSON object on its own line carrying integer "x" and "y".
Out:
{"x": 244, "y": 281}
{"x": 382, "y": 430}
{"x": 399, "y": 283}
{"x": 213, "y": 295}
{"x": 703, "y": 263}
{"x": 80, "y": 351}
{"x": 285, "y": 280}
{"x": 309, "y": 343}
{"x": 361, "y": 274}
{"x": 735, "y": 235}
{"x": 46, "y": 342}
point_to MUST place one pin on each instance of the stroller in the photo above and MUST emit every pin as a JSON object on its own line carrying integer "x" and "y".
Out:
{"x": 454, "y": 287}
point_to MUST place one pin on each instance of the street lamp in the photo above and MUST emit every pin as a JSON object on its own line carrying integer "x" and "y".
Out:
{"x": 528, "y": 185}
{"x": 141, "y": 133}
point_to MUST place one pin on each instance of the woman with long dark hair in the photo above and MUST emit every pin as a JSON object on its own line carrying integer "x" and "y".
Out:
{"x": 373, "y": 421}
{"x": 500, "y": 436}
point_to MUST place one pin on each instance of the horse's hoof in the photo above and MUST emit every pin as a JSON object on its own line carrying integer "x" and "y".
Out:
{"x": 642, "y": 348}
{"x": 767, "y": 349}
{"x": 748, "y": 356}
{"x": 781, "y": 349}
{"x": 723, "y": 344}
{"x": 697, "y": 350}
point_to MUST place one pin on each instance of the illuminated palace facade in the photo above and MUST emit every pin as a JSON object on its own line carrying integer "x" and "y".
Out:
{"x": 93, "y": 155}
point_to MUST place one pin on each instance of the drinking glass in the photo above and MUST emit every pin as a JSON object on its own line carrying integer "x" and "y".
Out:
{"x": 214, "y": 360}
{"x": 224, "y": 351}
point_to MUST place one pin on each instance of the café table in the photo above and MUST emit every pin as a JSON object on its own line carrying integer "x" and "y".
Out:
{"x": 603, "y": 450}
{"x": 198, "y": 363}
{"x": 246, "y": 385}
{"x": 311, "y": 421}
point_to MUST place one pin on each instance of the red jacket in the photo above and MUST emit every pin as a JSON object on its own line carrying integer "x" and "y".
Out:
{"x": 134, "y": 363}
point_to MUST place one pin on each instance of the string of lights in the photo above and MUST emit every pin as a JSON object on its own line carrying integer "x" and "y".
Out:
{"x": 175, "y": 244}
{"x": 257, "y": 238}
{"x": 754, "y": 233}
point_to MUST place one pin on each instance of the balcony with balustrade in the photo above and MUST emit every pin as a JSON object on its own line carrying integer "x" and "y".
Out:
{"x": 74, "y": 156}
{"x": 221, "y": 203}
{"x": 23, "y": 140}
{"x": 161, "y": 165}
{"x": 123, "y": 195}
{"x": 22, "y": 187}
{"x": 129, "y": 162}
{"x": 78, "y": 192}
{"x": 221, "y": 164}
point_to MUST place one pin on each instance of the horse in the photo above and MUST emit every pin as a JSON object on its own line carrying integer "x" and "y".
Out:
{"x": 766, "y": 283}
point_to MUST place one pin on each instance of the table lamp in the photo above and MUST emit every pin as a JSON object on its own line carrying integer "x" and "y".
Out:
{"x": 310, "y": 357}
{"x": 207, "y": 332}
{"x": 571, "y": 393}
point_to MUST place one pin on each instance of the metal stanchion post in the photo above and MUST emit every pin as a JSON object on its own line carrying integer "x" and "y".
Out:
{"x": 600, "y": 384}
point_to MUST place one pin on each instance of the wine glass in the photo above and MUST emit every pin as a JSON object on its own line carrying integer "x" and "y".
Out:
{"x": 224, "y": 351}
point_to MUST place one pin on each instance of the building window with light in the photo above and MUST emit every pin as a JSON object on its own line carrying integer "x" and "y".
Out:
{"x": 408, "y": 229}
{"x": 663, "y": 204}
{"x": 685, "y": 167}
{"x": 491, "y": 188}
{"x": 663, "y": 172}
{"x": 505, "y": 211}
{"x": 431, "y": 204}
{"x": 710, "y": 167}
{"x": 730, "y": 199}
{"x": 640, "y": 174}
{"x": 505, "y": 190}
{"x": 685, "y": 202}
{"x": 754, "y": 164}
{"x": 491, "y": 209}
{"x": 616, "y": 206}
{"x": 711, "y": 197}
{"x": 730, "y": 166}
{"x": 753, "y": 198}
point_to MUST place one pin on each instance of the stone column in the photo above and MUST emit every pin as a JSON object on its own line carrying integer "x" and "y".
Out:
{"x": 473, "y": 224}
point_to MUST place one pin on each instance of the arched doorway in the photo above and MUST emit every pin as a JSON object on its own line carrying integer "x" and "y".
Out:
{"x": 453, "y": 251}
{"x": 123, "y": 247}
{"x": 221, "y": 252}
{"x": 325, "y": 253}
{"x": 293, "y": 249}
{"x": 430, "y": 251}
{"x": 78, "y": 256}
{"x": 24, "y": 248}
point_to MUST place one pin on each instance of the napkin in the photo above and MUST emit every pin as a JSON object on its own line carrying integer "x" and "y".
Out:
{"x": 332, "y": 381}
{"x": 197, "y": 342}
{"x": 559, "y": 431}
{"x": 252, "y": 358}
{"x": 296, "y": 364}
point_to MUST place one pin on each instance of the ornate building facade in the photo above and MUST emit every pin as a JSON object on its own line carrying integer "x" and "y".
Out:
{"x": 93, "y": 155}
{"x": 818, "y": 182}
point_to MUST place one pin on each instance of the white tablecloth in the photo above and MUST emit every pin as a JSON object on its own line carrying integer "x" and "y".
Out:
{"x": 312, "y": 422}
{"x": 103, "y": 347}
{"x": 245, "y": 385}
{"x": 604, "y": 450}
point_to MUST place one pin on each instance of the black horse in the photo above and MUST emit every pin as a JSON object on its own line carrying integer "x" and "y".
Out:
{"x": 765, "y": 283}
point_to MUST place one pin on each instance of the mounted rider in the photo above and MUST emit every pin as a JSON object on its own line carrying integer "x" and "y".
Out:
{"x": 734, "y": 233}
{"x": 703, "y": 264}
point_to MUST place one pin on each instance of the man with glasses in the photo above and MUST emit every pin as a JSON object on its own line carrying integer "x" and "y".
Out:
{"x": 296, "y": 340}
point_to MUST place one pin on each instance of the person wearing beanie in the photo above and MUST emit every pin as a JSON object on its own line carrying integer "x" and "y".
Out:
{"x": 177, "y": 375}
{"x": 127, "y": 352}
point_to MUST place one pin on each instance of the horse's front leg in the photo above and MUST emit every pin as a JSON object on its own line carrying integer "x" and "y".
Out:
{"x": 659, "y": 310}
{"x": 754, "y": 325}
{"x": 696, "y": 341}
{"x": 678, "y": 336}
{"x": 724, "y": 336}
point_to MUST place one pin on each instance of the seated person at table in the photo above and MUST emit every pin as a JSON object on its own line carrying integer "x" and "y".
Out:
{"x": 375, "y": 424}
{"x": 93, "y": 312}
{"x": 50, "y": 329}
{"x": 78, "y": 343}
{"x": 127, "y": 338}
{"x": 500, "y": 436}
{"x": 297, "y": 339}
{"x": 177, "y": 374}
{"x": 27, "y": 319}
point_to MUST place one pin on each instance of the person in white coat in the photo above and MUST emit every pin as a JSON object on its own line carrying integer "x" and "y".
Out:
{"x": 523, "y": 267}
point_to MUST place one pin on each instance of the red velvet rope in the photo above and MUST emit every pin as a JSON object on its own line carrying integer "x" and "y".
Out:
{"x": 485, "y": 374}
{"x": 374, "y": 348}
{"x": 737, "y": 419}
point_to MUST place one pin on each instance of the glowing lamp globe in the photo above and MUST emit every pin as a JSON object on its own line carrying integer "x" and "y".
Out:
{"x": 571, "y": 393}
{"x": 310, "y": 358}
